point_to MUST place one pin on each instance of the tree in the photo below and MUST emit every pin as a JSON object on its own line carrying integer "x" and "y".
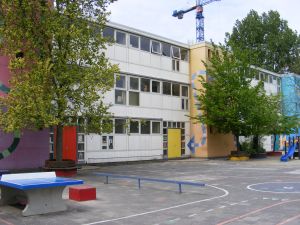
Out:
{"x": 229, "y": 102}
{"x": 59, "y": 72}
{"x": 267, "y": 40}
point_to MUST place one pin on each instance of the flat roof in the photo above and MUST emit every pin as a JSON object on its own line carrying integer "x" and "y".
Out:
{"x": 147, "y": 34}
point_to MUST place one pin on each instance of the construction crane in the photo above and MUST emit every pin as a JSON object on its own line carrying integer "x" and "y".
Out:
{"x": 199, "y": 17}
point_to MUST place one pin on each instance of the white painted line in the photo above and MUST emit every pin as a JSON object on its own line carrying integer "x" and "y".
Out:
{"x": 222, "y": 207}
{"x": 233, "y": 203}
{"x": 209, "y": 210}
{"x": 275, "y": 199}
{"x": 226, "y": 193}
{"x": 245, "y": 201}
{"x": 264, "y": 198}
{"x": 249, "y": 187}
{"x": 174, "y": 220}
{"x": 192, "y": 215}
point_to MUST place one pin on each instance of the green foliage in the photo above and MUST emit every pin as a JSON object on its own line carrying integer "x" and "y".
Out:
{"x": 267, "y": 41}
{"x": 229, "y": 102}
{"x": 62, "y": 72}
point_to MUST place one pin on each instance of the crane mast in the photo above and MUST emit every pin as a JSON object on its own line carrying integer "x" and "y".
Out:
{"x": 199, "y": 17}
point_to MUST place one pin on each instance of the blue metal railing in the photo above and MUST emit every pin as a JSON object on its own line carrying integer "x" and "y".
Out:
{"x": 139, "y": 179}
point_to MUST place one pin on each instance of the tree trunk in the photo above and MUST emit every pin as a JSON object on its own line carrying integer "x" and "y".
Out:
{"x": 255, "y": 142}
{"x": 59, "y": 140}
{"x": 238, "y": 146}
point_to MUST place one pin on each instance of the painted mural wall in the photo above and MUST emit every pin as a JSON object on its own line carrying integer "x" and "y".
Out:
{"x": 33, "y": 148}
{"x": 206, "y": 142}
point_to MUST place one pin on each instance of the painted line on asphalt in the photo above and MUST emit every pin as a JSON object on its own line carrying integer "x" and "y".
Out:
{"x": 256, "y": 211}
{"x": 174, "y": 220}
{"x": 6, "y": 222}
{"x": 226, "y": 193}
{"x": 289, "y": 220}
{"x": 249, "y": 187}
{"x": 209, "y": 210}
{"x": 192, "y": 215}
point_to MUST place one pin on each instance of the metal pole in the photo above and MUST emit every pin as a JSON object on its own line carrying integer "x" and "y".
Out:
{"x": 139, "y": 181}
{"x": 180, "y": 190}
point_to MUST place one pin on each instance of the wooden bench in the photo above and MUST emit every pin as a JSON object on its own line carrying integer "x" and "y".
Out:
{"x": 41, "y": 192}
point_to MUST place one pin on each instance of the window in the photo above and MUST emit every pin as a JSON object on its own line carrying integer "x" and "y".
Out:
{"x": 175, "y": 89}
{"x": 145, "y": 127}
{"x": 134, "y": 83}
{"x": 145, "y": 85}
{"x": 134, "y": 127}
{"x": 208, "y": 54}
{"x": 120, "y": 126}
{"x": 184, "y": 104}
{"x": 278, "y": 81}
{"x": 134, "y": 98}
{"x": 120, "y": 97}
{"x": 120, "y": 38}
{"x": 175, "y": 52}
{"x": 155, "y": 47}
{"x": 134, "y": 41}
{"x": 145, "y": 44}
{"x": 185, "y": 54}
{"x": 166, "y": 88}
{"x": 175, "y": 65}
{"x": 121, "y": 81}
{"x": 155, "y": 127}
{"x": 184, "y": 91}
{"x": 108, "y": 33}
{"x": 155, "y": 86}
{"x": 166, "y": 49}
{"x": 271, "y": 79}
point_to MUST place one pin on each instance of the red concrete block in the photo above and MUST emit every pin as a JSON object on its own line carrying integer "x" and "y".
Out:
{"x": 82, "y": 193}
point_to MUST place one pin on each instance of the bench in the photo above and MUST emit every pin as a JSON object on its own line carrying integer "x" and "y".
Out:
{"x": 139, "y": 179}
{"x": 41, "y": 192}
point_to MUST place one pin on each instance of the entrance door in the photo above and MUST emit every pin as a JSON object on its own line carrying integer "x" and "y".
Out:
{"x": 174, "y": 143}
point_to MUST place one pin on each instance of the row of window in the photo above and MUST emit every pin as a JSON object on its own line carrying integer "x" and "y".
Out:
{"x": 146, "y": 44}
{"x": 124, "y": 126}
{"x": 131, "y": 86}
{"x": 268, "y": 78}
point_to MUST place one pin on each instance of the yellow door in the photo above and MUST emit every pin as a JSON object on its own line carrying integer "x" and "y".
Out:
{"x": 174, "y": 143}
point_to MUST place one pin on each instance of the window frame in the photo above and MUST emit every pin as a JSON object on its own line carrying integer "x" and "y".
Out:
{"x": 155, "y": 121}
{"x": 149, "y": 90}
{"x": 186, "y": 86}
{"x": 174, "y": 83}
{"x": 122, "y": 32}
{"x": 149, "y": 127}
{"x": 139, "y": 128}
{"x": 160, "y": 86}
{"x": 148, "y": 39}
{"x": 135, "y": 92}
{"x": 154, "y": 52}
{"x": 172, "y": 52}
{"x": 129, "y": 84}
{"x": 124, "y": 126}
{"x": 139, "y": 41}
{"x": 164, "y": 89}
{"x": 125, "y": 83}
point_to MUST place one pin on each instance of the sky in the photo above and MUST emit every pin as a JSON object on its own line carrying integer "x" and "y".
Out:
{"x": 155, "y": 16}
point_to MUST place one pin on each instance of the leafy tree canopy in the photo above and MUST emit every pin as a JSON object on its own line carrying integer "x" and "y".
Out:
{"x": 267, "y": 40}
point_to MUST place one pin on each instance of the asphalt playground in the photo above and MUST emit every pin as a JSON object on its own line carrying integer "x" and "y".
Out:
{"x": 261, "y": 192}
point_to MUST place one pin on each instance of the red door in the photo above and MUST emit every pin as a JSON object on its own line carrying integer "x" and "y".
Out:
{"x": 69, "y": 143}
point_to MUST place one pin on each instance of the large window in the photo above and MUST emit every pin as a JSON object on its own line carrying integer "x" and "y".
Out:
{"x": 184, "y": 91}
{"x": 175, "y": 52}
{"x": 134, "y": 127}
{"x": 134, "y": 98}
{"x": 121, "y": 38}
{"x": 108, "y": 33}
{"x": 155, "y": 86}
{"x": 145, "y": 44}
{"x": 134, "y": 41}
{"x": 175, "y": 89}
{"x": 121, "y": 81}
{"x": 166, "y": 49}
{"x": 134, "y": 83}
{"x": 166, "y": 88}
{"x": 155, "y": 47}
{"x": 145, "y": 84}
{"x": 120, "y": 97}
{"x": 155, "y": 127}
{"x": 145, "y": 127}
{"x": 120, "y": 126}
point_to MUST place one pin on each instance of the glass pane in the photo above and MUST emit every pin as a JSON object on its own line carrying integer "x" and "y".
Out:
{"x": 121, "y": 81}
{"x": 165, "y": 131}
{"x": 175, "y": 52}
{"x": 80, "y": 146}
{"x": 166, "y": 49}
{"x": 80, "y": 138}
{"x": 134, "y": 98}
{"x": 145, "y": 44}
{"x": 145, "y": 127}
{"x": 104, "y": 139}
{"x": 155, "y": 86}
{"x": 182, "y": 104}
{"x": 178, "y": 124}
{"x": 186, "y": 104}
{"x": 120, "y": 126}
{"x": 174, "y": 125}
{"x": 184, "y": 91}
{"x": 80, "y": 155}
{"x": 108, "y": 33}
{"x": 156, "y": 47}
{"x": 120, "y": 38}
{"x": 175, "y": 89}
{"x": 166, "y": 88}
{"x": 185, "y": 54}
{"x": 134, "y": 127}
{"x": 120, "y": 97}
{"x": 134, "y": 83}
{"x": 134, "y": 41}
{"x": 155, "y": 127}
{"x": 165, "y": 124}
{"x": 183, "y": 124}
{"x": 145, "y": 85}
{"x": 110, "y": 142}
